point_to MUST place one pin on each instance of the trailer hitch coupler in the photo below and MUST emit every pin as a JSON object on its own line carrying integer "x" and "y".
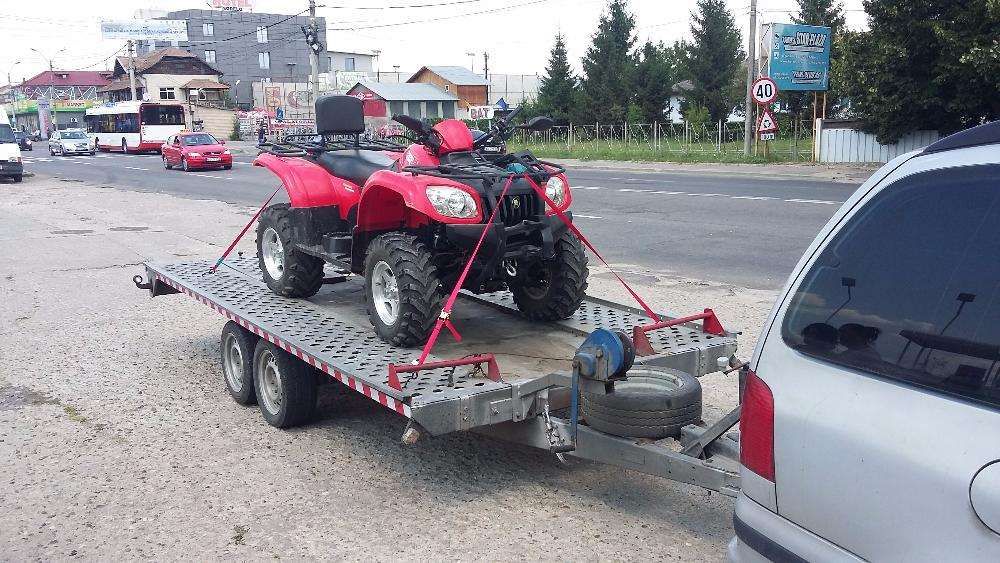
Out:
{"x": 140, "y": 283}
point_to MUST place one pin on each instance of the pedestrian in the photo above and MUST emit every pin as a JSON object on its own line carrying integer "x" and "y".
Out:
{"x": 261, "y": 132}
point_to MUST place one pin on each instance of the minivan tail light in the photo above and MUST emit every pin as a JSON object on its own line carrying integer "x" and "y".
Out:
{"x": 757, "y": 427}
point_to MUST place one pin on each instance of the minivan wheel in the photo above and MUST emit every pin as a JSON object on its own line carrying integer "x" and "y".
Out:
{"x": 651, "y": 403}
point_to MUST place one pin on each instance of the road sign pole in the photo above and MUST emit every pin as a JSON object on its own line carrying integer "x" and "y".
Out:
{"x": 751, "y": 72}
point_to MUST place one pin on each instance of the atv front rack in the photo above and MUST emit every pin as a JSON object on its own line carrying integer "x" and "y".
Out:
{"x": 481, "y": 169}
{"x": 313, "y": 144}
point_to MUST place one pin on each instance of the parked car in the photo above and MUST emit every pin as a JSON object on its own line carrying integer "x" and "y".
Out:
{"x": 23, "y": 140}
{"x": 10, "y": 154}
{"x": 870, "y": 424}
{"x": 195, "y": 150}
{"x": 70, "y": 141}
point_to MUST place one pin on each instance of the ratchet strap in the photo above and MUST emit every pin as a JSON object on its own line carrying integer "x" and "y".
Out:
{"x": 569, "y": 224}
{"x": 244, "y": 231}
{"x": 444, "y": 319}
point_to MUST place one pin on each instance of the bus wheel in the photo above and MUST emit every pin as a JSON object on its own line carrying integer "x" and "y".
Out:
{"x": 124, "y": 146}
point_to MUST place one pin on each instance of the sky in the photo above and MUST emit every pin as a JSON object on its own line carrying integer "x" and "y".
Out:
{"x": 517, "y": 34}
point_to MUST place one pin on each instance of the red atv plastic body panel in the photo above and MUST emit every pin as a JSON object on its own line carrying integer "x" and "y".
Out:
{"x": 309, "y": 185}
{"x": 455, "y": 136}
{"x": 391, "y": 200}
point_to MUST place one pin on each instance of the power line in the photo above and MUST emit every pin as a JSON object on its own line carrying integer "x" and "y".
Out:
{"x": 200, "y": 44}
{"x": 105, "y": 59}
{"x": 453, "y": 3}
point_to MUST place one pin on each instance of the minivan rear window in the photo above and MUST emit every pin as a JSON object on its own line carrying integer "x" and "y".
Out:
{"x": 909, "y": 288}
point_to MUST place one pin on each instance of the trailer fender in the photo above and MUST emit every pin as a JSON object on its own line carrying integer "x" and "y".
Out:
{"x": 309, "y": 185}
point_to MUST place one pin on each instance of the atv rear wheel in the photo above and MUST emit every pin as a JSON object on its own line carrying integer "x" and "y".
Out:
{"x": 286, "y": 271}
{"x": 551, "y": 290}
{"x": 402, "y": 289}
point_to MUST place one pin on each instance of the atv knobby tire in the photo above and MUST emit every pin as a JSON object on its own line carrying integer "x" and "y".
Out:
{"x": 564, "y": 285}
{"x": 420, "y": 296}
{"x": 302, "y": 274}
{"x": 651, "y": 403}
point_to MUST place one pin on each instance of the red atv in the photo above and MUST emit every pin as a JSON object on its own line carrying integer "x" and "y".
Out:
{"x": 407, "y": 218}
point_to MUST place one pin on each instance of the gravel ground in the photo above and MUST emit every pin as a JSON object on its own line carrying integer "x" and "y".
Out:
{"x": 119, "y": 440}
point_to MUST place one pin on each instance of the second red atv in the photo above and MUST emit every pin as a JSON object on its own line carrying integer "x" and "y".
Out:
{"x": 408, "y": 217}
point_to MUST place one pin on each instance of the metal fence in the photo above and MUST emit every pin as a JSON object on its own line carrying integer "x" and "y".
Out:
{"x": 793, "y": 141}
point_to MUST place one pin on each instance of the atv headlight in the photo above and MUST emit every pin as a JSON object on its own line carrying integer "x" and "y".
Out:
{"x": 452, "y": 202}
{"x": 555, "y": 189}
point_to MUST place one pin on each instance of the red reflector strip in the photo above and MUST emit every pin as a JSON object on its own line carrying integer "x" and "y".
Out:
{"x": 757, "y": 428}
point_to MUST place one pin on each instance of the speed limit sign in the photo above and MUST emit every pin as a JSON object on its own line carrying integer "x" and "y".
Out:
{"x": 763, "y": 90}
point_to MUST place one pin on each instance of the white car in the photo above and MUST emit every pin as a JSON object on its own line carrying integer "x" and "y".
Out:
{"x": 870, "y": 427}
{"x": 70, "y": 141}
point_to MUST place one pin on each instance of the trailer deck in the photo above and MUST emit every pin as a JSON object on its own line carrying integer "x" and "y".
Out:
{"x": 332, "y": 333}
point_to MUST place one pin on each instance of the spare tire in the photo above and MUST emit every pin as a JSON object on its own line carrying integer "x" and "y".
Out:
{"x": 651, "y": 403}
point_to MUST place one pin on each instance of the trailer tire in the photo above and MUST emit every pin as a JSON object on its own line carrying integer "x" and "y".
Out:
{"x": 651, "y": 403}
{"x": 403, "y": 291}
{"x": 238, "y": 346}
{"x": 563, "y": 288}
{"x": 289, "y": 273}
{"x": 285, "y": 386}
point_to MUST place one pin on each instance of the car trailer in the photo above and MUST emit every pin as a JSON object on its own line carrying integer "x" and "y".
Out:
{"x": 516, "y": 380}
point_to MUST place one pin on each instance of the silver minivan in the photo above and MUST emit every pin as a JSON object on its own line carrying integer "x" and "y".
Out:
{"x": 870, "y": 427}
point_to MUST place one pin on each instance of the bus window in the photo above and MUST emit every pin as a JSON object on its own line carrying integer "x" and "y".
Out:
{"x": 162, "y": 115}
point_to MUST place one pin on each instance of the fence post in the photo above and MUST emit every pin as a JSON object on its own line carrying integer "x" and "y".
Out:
{"x": 718, "y": 138}
{"x": 625, "y": 134}
{"x": 656, "y": 136}
{"x": 569, "y": 136}
{"x": 597, "y": 134}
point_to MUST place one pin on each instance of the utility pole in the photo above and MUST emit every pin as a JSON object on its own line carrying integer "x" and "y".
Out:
{"x": 313, "y": 55}
{"x": 131, "y": 69}
{"x": 486, "y": 73}
{"x": 751, "y": 76}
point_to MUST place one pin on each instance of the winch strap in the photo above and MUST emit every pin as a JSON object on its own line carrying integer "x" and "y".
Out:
{"x": 444, "y": 317}
{"x": 569, "y": 224}
{"x": 244, "y": 231}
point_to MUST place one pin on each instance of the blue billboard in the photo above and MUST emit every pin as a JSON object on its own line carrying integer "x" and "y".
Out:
{"x": 799, "y": 56}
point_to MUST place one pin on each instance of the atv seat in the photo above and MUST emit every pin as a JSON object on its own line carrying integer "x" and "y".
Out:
{"x": 354, "y": 165}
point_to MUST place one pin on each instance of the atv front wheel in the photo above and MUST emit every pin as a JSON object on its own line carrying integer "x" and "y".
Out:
{"x": 551, "y": 290}
{"x": 287, "y": 271}
{"x": 402, "y": 289}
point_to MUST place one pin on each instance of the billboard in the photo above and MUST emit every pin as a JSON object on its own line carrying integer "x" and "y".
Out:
{"x": 799, "y": 56}
{"x": 233, "y": 5}
{"x": 152, "y": 30}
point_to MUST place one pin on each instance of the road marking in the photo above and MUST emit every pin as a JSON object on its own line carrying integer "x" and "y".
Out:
{"x": 137, "y": 168}
{"x": 579, "y": 216}
{"x": 820, "y": 201}
{"x": 699, "y": 194}
{"x": 213, "y": 177}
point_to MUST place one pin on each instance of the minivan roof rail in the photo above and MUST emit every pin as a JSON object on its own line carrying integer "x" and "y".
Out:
{"x": 985, "y": 134}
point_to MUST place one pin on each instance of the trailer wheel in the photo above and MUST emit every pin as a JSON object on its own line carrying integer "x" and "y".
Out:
{"x": 238, "y": 347}
{"x": 285, "y": 386}
{"x": 651, "y": 403}
{"x": 402, "y": 289}
{"x": 287, "y": 271}
{"x": 552, "y": 290}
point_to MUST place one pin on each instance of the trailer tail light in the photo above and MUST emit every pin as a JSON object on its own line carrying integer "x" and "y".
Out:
{"x": 757, "y": 428}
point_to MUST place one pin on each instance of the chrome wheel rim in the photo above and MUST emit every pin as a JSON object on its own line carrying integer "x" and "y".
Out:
{"x": 385, "y": 293}
{"x": 232, "y": 363}
{"x": 269, "y": 383}
{"x": 273, "y": 253}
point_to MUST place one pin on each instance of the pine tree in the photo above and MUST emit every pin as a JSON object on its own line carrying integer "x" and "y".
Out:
{"x": 714, "y": 59}
{"x": 557, "y": 94}
{"x": 653, "y": 79}
{"x": 609, "y": 65}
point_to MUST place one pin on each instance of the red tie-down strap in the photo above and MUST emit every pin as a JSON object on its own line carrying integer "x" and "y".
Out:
{"x": 232, "y": 245}
{"x": 569, "y": 224}
{"x": 445, "y": 316}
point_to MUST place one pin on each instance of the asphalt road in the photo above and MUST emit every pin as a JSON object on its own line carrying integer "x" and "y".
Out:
{"x": 743, "y": 229}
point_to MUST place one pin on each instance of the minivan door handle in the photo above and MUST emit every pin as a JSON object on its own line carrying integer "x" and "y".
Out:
{"x": 984, "y": 495}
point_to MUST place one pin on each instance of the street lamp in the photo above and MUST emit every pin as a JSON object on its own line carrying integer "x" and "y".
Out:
{"x": 472, "y": 60}
{"x": 10, "y": 69}
{"x": 48, "y": 95}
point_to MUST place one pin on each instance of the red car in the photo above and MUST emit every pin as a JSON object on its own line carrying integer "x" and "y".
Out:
{"x": 195, "y": 151}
